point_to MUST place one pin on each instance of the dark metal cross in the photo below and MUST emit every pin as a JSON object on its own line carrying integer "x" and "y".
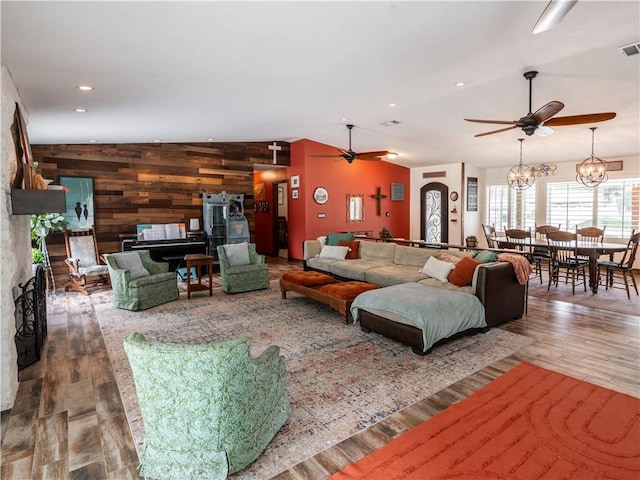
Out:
{"x": 378, "y": 197}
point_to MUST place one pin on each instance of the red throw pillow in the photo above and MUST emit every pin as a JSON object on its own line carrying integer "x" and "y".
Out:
{"x": 463, "y": 273}
{"x": 354, "y": 248}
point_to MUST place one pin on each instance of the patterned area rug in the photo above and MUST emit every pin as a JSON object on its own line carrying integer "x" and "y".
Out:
{"x": 529, "y": 423}
{"x": 340, "y": 380}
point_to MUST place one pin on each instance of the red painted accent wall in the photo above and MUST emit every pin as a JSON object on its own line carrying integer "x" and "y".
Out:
{"x": 341, "y": 178}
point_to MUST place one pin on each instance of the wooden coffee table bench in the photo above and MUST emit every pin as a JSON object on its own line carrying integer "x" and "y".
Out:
{"x": 323, "y": 288}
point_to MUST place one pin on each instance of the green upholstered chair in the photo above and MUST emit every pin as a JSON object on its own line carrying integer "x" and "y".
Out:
{"x": 241, "y": 268}
{"x": 208, "y": 410}
{"x": 138, "y": 282}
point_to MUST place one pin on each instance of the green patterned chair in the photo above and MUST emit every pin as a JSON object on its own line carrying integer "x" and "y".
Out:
{"x": 138, "y": 282}
{"x": 241, "y": 268}
{"x": 208, "y": 410}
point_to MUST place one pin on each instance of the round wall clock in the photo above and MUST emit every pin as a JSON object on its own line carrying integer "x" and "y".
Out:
{"x": 454, "y": 196}
{"x": 320, "y": 195}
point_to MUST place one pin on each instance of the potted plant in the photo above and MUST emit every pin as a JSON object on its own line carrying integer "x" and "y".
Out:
{"x": 384, "y": 233}
{"x": 43, "y": 223}
{"x": 471, "y": 241}
{"x": 37, "y": 258}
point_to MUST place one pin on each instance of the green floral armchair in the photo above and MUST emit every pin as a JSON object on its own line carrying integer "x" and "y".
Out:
{"x": 208, "y": 410}
{"x": 241, "y": 268}
{"x": 138, "y": 282}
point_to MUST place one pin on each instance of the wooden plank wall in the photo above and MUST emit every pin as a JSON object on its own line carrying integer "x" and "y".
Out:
{"x": 152, "y": 183}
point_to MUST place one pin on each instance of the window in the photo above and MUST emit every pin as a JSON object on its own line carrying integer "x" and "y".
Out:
{"x": 613, "y": 204}
{"x": 497, "y": 210}
{"x": 570, "y": 205}
{"x": 619, "y": 207}
{"x": 511, "y": 208}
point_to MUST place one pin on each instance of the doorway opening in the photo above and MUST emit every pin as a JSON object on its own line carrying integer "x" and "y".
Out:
{"x": 281, "y": 218}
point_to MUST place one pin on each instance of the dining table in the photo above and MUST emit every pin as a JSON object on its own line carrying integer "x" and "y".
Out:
{"x": 593, "y": 250}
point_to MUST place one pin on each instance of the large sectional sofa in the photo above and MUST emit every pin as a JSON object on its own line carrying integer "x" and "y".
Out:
{"x": 386, "y": 264}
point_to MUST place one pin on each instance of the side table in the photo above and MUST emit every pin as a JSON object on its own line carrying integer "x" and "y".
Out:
{"x": 199, "y": 260}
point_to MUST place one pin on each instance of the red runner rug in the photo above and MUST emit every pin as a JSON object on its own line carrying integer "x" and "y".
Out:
{"x": 531, "y": 423}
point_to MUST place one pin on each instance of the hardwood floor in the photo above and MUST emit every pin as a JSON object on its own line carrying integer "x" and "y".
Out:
{"x": 68, "y": 421}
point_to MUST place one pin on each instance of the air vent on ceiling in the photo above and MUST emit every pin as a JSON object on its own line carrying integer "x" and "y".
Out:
{"x": 630, "y": 50}
{"x": 390, "y": 123}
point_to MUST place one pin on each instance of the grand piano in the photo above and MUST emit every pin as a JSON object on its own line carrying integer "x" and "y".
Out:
{"x": 172, "y": 251}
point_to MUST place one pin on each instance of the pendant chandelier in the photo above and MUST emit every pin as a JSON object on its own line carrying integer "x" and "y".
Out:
{"x": 593, "y": 170}
{"x": 521, "y": 176}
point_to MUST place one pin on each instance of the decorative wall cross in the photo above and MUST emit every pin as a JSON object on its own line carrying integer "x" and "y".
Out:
{"x": 275, "y": 147}
{"x": 378, "y": 197}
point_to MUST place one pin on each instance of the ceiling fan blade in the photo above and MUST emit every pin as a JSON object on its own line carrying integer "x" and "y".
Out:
{"x": 496, "y": 131}
{"x": 373, "y": 155}
{"x": 547, "y": 111}
{"x": 553, "y": 14}
{"x": 497, "y": 122}
{"x": 579, "y": 119}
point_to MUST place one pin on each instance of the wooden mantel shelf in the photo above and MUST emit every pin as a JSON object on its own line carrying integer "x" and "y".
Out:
{"x": 28, "y": 201}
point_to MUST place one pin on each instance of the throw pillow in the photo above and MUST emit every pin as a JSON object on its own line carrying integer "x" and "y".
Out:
{"x": 334, "y": 251}
{"x": 322, "y": 240}
{"x": 485, "y": 256}
{"x": 354, "y": 248}
{"x": 462, "y": 274}
{"x": 334, "y": 238}
{"x": 131, "y": 261}
{"x": 437, "y": 269}
{"x": 237, "y": 254}
{"x": 448, "y": 257}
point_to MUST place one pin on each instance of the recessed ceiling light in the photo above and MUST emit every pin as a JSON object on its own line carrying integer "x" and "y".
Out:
{"x": 80, "y": 110}
{"x": 460, "y": 84}
{"x": 393, "y": 105}
{"x": 84, "y": 88}
{"x": 209, "y": 139}
{"x": 93, "y": 140}
{"x": 157, "y": 140}
{"x": 345, "y": 119}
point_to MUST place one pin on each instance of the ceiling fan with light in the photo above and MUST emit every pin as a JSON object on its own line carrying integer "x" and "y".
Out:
{"x": 540, "y": 121}
{"x": 349, "y": 155}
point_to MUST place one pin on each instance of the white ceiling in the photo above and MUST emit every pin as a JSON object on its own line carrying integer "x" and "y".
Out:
{"x": 264, "y": 71}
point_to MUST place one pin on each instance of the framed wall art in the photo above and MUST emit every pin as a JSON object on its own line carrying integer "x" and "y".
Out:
{"x": 294, "y": 193}
{"x": 397, "y": 192}
{"x": 80, "y": 208}
{"x": 472, "y": 194}
{"x": 295, "y": 181}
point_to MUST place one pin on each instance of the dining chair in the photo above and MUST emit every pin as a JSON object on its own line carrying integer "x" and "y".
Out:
{"x": 490, "y": 235}
{"x": 591, "y": 234}
{"x": 540, "y": 233}
{"x": 521, "y": 240}
{"x": 617, "y": 274}
{"x": 542, "y": 230}
{"x": 563, "y": 247}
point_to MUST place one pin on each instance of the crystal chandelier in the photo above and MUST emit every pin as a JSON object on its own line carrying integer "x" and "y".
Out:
{"x": 521, "y": 176}
{"x": 593, "y": 170}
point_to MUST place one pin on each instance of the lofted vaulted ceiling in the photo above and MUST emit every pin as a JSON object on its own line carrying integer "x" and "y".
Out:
{"x": 264, "y": 71}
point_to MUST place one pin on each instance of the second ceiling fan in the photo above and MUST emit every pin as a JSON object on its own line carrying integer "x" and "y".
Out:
{"x": 543, "y": 117}
{"x": 350, "y": 155}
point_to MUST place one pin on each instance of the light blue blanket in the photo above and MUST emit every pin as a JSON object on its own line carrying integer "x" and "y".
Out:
{"x": 439, "y": 313}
